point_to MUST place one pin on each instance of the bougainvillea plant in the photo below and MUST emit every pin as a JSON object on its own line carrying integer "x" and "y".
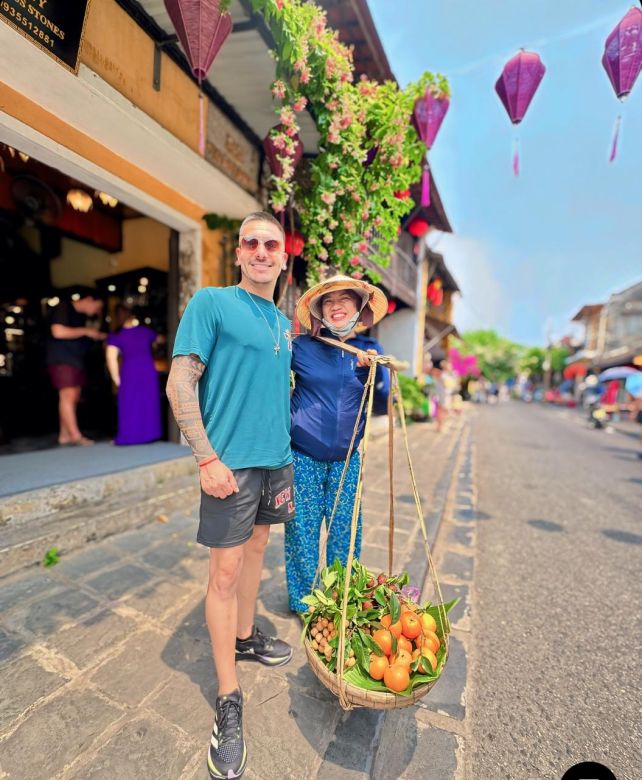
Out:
{"x": 368, "y": 148}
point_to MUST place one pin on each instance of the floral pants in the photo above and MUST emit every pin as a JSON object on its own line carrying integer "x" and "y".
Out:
{"x": 315, "y": 489}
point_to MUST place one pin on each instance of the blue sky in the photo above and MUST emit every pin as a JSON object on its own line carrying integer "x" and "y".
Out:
{"x": 527, "y": 252}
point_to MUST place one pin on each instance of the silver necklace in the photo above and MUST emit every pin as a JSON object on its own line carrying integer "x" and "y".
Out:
{"x": 277, "y": 341}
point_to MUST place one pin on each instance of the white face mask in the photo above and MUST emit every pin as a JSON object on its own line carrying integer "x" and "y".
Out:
{"x": 347, "y": 328}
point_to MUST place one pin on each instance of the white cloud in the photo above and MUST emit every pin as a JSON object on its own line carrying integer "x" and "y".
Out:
{"x": 483, "y": 303}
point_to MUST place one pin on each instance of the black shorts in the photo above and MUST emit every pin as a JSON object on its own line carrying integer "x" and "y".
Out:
{"x": 265, "y": 497}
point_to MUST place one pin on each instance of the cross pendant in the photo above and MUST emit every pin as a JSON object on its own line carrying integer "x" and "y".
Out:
{"x": 277, "y": 348}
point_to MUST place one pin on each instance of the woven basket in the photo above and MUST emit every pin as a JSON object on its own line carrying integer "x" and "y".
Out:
{"x": 360, "y": 697}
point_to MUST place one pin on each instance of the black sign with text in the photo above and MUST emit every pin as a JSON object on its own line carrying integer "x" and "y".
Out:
{"x": 56, "y": 26}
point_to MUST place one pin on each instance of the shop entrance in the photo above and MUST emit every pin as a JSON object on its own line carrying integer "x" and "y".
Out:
{"x": 59, "y": 238}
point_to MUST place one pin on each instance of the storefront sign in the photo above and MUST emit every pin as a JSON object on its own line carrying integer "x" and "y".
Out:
{"x": 55, "y": 26}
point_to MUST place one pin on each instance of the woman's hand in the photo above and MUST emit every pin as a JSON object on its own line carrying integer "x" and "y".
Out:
{"x": 363, "y": 358}
{"x": 217, "y": 480}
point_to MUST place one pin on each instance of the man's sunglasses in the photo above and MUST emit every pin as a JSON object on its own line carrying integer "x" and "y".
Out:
{"x": 252, "y": 244}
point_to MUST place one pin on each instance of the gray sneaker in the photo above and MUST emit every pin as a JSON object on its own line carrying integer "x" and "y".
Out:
{"x": 267, "y": 649}
{"x": 227, "y": 755}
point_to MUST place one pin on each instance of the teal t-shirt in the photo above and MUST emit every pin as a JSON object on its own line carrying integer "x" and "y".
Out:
{"x": 244, "y": 392}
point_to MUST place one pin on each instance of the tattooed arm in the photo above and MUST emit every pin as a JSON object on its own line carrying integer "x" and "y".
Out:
{"x": 216, "y": 478}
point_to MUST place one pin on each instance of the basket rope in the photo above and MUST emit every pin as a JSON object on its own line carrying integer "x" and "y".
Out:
{"x": 367, "y": 398}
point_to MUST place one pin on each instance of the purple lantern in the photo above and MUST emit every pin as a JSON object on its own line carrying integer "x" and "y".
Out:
{"x": 427, "y": 115}
{"x": 273, "y": 152}
{"x": 202, "y": 29}
{"x": 516, "y": 87}
{"x": 622, "y": 60}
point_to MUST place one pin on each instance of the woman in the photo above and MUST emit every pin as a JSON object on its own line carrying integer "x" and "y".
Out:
{"x": 328, "y": 389}
{"x": 139, "y": 410}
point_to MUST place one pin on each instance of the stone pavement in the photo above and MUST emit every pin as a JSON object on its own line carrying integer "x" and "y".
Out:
{"x": 105, "y": 666}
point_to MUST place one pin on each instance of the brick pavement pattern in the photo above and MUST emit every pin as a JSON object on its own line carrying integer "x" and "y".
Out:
{"x": 105, "y": 664}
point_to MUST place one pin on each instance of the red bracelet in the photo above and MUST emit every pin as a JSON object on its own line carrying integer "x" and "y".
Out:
{"x": 207, "y": 461}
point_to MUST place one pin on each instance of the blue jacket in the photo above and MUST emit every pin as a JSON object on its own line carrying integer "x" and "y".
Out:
{"x": 327, "y": 394}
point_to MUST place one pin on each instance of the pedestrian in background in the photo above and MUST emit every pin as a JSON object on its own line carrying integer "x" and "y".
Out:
{"x": 329, "y": 384}
{"x": 235, "y": 345}
{"x": 130, "y": 362}
{"x": 68, "y": 342}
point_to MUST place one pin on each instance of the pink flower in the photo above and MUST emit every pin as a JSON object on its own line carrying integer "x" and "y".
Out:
{"x": 355, "y": 261}
{"x": 327, "y": 239}
{"x": 299, "y": 104}
{"x": 356, "y": 275}
{"x": 287, "y": 116}
{"x": 339, "y": 252}
{"x": 356, "y": 197}
{"x": 328, "y": 198}
{"x": 362, "y": 246}
{"x": 279, "y": 4}
{"x": 323, "y": 254}
{"x": 305, "y": 75}
{"x": 377, "y": 221}
{"x": 278, "y": 90}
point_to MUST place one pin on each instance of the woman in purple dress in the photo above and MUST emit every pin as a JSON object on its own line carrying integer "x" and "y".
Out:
{"x": 139, "y": 409}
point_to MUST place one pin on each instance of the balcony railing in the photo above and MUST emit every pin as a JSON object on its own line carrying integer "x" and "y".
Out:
{"x": 400, "y": 277}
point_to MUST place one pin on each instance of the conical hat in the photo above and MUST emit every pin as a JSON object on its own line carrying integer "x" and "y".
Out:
{"x": 372, "y": 298}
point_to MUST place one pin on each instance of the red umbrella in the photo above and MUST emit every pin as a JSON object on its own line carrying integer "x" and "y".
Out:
{"x": 202, "y": 28}
{"x": 622, "y": 60}
{"x": 516, "y": 87}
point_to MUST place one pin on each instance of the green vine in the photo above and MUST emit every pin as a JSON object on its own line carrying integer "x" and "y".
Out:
{"x": 218, "y": 222}
{"x": 368, "y": 148}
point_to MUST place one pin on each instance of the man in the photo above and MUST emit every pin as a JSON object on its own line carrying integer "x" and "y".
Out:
{"x": 68, "y": 342}
{"x": 236, "y": 345}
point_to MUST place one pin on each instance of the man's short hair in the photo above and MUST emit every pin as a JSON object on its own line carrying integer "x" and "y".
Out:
{"x": 262, "y": 216}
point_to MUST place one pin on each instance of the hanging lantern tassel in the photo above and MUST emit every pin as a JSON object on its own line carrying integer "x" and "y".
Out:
{"x": 616, "y": 137}
{"x": 516, "y": 157}
{"x": 425, "y": 186}
{"x": 201, "y": 120}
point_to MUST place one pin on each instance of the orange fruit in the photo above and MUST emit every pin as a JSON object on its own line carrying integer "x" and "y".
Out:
{"x": 415, "y": 654}
{"x": 431, "y": 641}
{"x": 428, "y": 623}
{"x": 404, "y": 644}
{"x": 378, "y": 666}
{"x": 410, "y": 625}
{"x": 403, "y": 657}
{"x": 397, "y": 677}
{"x": 396, "y": 628}
{"x": 386, "y": 620}
{"x": 383, "y": 638}
{"x": 427, "y": 658}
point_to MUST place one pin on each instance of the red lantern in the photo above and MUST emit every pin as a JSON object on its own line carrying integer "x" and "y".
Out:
{"x": 517, "y": 86}
{"x": 392, "y": 307}
{"x": 428, "y": 114}
{"x": 202, "y": 29}
{"x": 294, "y": 243}
{"x": 418, "y": 227}
{"x": 273, "y": 153}
{"x": 622, "y": 60}
{"x": 434, "y": 292}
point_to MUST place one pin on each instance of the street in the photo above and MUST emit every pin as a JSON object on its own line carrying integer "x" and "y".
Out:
{"x": 555, "y": 665}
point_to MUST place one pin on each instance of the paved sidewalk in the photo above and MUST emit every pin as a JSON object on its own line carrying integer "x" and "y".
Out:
{"x": 105, "y": 666}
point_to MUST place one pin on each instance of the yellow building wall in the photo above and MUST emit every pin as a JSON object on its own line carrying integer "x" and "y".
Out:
{"x": 20, "y": 107}
{"x": 121, "y": 53}
{"x": 145, "y": 243}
